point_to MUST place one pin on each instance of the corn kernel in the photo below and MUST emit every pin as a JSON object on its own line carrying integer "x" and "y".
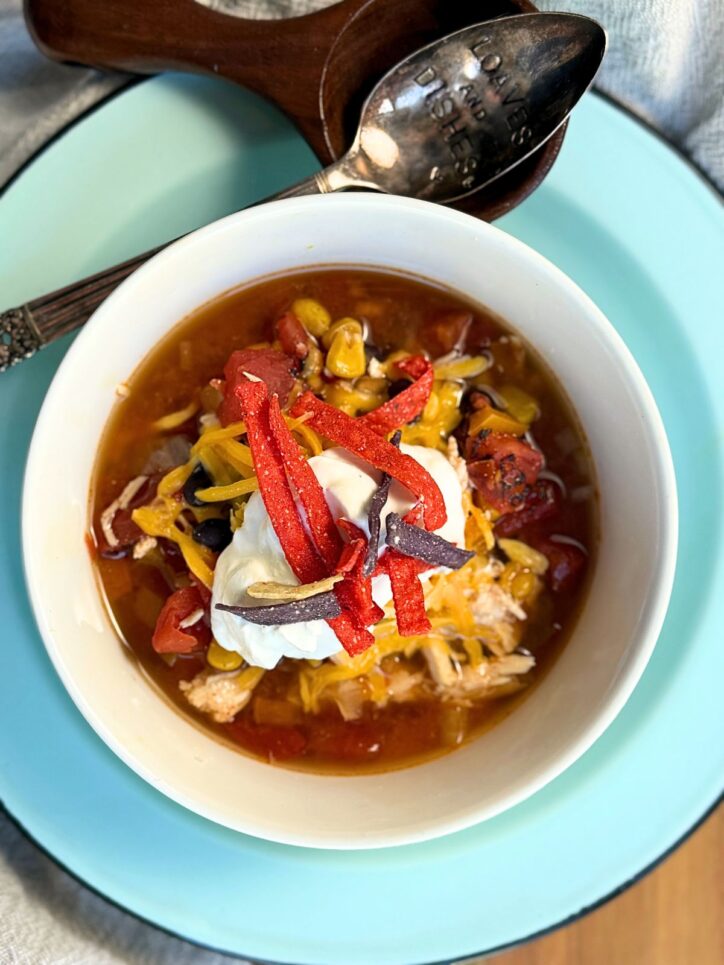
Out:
{"x": 221, "y": 659}
{"x": 508, "y": 575}
{"x": 524, "y": 587}
{"x": 345, "y": 324}
{"x": 375, "y": 386}
{"x": 439, "y": 417}
{"x": 347, "y": 397}
{"x": 466, "y": 367}
{"x": 313, "y": 363}
{"x": 313, "y": 315}
{"x": 346, "y": 356}
{"x": 525, "y": 555}
{"x": 521, "y": 406}
{"x": 496, "y": 421}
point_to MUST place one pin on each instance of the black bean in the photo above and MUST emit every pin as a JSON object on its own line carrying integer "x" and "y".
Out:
{"x": 199, "y": 479}
{"x": 399, "y": 385}
{"x": 213, "y": 533}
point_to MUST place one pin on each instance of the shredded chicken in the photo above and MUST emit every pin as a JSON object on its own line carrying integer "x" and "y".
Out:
{"x": 458, "y": 463}
{"x": 143, "y": 546}
{"x": 121, "y": 502}
{"x": 489, "y": 676}
{"x": 218, "y": 695}
{"x": 442, "y": 670}
{"x": 493, "y": 605}
{"x": 460, "y": 682}
{"x": 350, "y": 697}
{"x": 402, "y": 685}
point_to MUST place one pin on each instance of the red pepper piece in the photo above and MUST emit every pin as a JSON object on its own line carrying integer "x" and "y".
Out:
{"x": 409, "y": 403}
{"x": 292, "y": 336}
{"x": 272, "y": 367}
{"x": 167, "y": 637}
{"x": 542, "y": 501}
{"x": 274, "y": 486}
{"x": 311, "y": 495}
{"x": 359, "y": 439}
{"x": 409, "y": 600}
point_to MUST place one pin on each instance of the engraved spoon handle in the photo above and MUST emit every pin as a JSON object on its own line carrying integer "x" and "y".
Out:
{"x": 32, "y": 326}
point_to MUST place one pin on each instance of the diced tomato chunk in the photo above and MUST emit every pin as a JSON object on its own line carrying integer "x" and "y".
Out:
{"x": 542, "y": 502}
{"x": 272, "y": 367}
{"x": 566, "y": 564}
{"x": 273, "y": 742}
{"x": 292, "y": 336}
{"x": 168, "y": 637}
{"x": 502, "y": 467}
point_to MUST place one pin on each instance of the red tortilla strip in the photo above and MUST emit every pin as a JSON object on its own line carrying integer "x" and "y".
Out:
{"x": 311, "y": 495}
{"x": 280, "y": 504}
{"x": 274, "y": 487}
{"x": 409, "y": 600}
{"x": 373, "y": 448}
{"x": 409, "y": 403}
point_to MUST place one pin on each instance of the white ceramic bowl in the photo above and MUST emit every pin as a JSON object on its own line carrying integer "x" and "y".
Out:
{"x": 613, "y": 639}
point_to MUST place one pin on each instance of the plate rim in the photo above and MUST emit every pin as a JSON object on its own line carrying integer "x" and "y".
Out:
{"x": 708, "y": 812}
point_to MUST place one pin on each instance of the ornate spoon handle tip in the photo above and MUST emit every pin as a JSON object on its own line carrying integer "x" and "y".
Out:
{"x": 19, "y": 338}
{"x": 32, "y": 326}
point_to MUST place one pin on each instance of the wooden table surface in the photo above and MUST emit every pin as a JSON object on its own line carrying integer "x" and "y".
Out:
{"x": 673, "y": 916}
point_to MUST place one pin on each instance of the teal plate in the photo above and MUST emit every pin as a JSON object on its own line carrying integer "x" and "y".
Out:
{"x": 644, "y": 236}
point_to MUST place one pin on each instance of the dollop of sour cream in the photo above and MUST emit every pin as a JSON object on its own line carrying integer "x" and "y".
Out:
{"x": 255, "y": 554}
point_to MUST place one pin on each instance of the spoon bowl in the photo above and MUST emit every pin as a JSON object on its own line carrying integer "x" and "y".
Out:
{"x": 465, "y": 109}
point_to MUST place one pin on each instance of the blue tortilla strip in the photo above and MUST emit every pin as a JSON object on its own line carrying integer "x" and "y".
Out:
{"x": 374, "y": 516}
{"x": 321, "y": 606}
{"x": 422, "y": 545}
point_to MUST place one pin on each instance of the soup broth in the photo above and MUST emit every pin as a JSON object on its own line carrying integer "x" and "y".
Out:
{"x": 172, "y": 398}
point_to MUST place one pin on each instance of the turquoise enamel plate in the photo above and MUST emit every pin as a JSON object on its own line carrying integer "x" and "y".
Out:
{"x": 643, "y": 234}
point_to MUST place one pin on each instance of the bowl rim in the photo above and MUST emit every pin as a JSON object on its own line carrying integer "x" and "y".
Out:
{"x": 663, "y": 568}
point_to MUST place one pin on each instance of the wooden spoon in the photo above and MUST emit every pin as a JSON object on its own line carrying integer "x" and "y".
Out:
{"x": 318, "y": 68}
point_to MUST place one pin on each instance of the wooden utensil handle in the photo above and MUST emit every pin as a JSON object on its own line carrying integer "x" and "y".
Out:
{"x": 280, "y": 59}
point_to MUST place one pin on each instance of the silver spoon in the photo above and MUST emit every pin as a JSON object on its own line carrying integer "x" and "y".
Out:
{"x": 446, "y": 121}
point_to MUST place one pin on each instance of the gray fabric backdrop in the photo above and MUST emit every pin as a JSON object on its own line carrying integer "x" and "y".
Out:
{"x": 665, "y": 62}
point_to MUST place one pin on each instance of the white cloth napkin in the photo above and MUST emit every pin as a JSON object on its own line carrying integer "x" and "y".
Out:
{"x": 665, "y": 62}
